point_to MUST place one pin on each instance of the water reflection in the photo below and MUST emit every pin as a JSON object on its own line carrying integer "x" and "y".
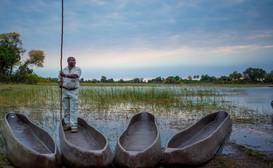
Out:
{"x": 112, "y": 122}
{"x": 255, "y": 98}
{"x": 259, "y": 138}
{"x": 252, "y": 98}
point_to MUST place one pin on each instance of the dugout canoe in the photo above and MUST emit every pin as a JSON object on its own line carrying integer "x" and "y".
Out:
{"x": 139, "y": 145}
{"x": 86, "y": 148}
{"x": 27, "y": 144}
{"x": 199, "y": 143}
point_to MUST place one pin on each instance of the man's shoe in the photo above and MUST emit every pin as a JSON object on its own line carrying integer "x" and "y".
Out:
{"x": 66, "y": 127}
{"x": 74, "y": 130}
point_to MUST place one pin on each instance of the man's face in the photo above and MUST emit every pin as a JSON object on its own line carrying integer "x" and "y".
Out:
{"x": 71, "y": 62}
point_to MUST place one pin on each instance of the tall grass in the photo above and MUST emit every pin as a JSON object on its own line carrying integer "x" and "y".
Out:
{"x": 130, "y": 98}
{"x": 38, "y": 96}
{"x": 28, "y": 96}
{"x": 163, "y": 97}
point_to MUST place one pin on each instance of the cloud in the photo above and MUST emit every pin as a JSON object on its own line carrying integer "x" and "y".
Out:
{"x": 239, "y": 48}
{"x": 148, "y": 57}
{"x": 261, "y": 34}
{"x": 120, "y": 33}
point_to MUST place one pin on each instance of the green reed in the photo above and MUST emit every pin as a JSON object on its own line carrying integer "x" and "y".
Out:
{"x": 156, "y": 98}
{"x": 41, "y": 96}
{"x": 28, "y": 96}
{"x": 164, "y": 97}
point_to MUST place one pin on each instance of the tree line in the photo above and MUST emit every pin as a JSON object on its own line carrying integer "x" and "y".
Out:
{"x": 249, "y": 76}
{"x": 14, "y": 70}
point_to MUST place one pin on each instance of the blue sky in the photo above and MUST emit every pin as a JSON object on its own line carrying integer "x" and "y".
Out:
{"x": 145, "y": 38}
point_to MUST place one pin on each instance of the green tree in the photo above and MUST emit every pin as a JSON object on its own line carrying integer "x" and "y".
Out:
{"x": 156, "y": 80}
{"x": 36, "y": 57}
{"x": 171, "y": 80}
{"x": 254, "y": 74}
{"x": 269, "y": 77}
{"x": 177, "y": 78}
{"x": 111, "y": 80}
{"x": 103, "y": 79}
{"x": 206, "y": 78}
{"x": 137, "y": 80}
{"x": 235, "y": 76}
{"x": 10, "y": 52}
{"x": 196, "y": 77}
{"x": 95, "y": 81}
{"x": 224, "y": 79}
{"x": 25, "y": 73}
{"x": 23, "y": 70}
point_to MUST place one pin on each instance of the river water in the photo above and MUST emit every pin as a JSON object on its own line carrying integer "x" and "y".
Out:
{"x": 256, "y": 98}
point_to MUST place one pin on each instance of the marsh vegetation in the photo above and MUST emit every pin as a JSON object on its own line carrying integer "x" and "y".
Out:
{"x": 110, "y": 107}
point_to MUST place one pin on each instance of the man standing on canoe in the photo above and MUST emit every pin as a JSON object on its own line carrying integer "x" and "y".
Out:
{"x": 70, "y": 82}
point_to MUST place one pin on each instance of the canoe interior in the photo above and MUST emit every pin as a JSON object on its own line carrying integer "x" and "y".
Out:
{"x": 201, "y": 130}
{"x": 30, "y": 135}
{"x": 87, "y": 138}
{"x": 140, "y": 134}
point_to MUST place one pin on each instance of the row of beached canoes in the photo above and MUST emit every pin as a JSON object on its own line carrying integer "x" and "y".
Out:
{"x": 138, "y": 147}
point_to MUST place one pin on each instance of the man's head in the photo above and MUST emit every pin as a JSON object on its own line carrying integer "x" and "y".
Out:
{"x": 71, "y": 61}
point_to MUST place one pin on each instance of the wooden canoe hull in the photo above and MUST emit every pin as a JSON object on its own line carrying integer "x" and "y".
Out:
{"x": 27, "y": 144}
{"x": 86, "y": 148}
{"x": 140, "y": 154}
{"x": 199, "y": 143}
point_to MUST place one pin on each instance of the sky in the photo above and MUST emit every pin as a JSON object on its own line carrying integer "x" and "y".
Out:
{"x": 125, "y": 39}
